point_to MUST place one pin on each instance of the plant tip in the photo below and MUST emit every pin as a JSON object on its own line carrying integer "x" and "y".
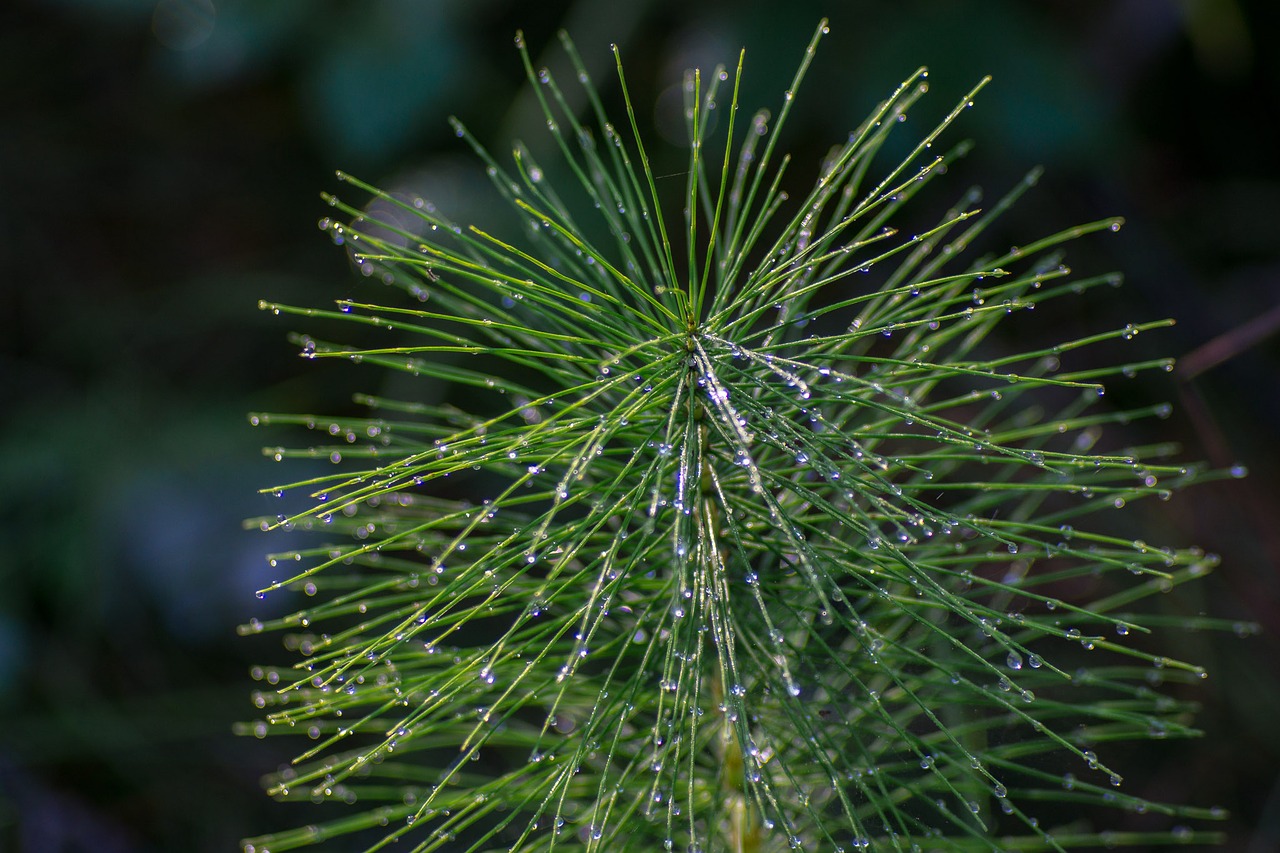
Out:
{"x": 672, "y": 449}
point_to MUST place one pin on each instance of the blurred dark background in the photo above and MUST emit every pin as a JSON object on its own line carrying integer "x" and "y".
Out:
{"x": 160, "y": 165}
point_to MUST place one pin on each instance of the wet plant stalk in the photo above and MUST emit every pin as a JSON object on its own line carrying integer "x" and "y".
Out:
{"x": 721, "y": 521}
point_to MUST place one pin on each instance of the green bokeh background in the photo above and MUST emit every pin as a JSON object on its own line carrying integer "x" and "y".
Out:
{"x": 160, "y": 165}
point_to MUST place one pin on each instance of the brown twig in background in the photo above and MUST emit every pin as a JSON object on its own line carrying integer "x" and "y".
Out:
{"x": 1215, "y": 352}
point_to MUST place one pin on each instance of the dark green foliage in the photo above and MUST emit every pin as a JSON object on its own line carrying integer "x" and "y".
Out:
{"x": 746, "y": 537}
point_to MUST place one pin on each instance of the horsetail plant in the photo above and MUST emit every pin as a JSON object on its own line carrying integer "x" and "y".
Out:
{"x": 764, "y": 545}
